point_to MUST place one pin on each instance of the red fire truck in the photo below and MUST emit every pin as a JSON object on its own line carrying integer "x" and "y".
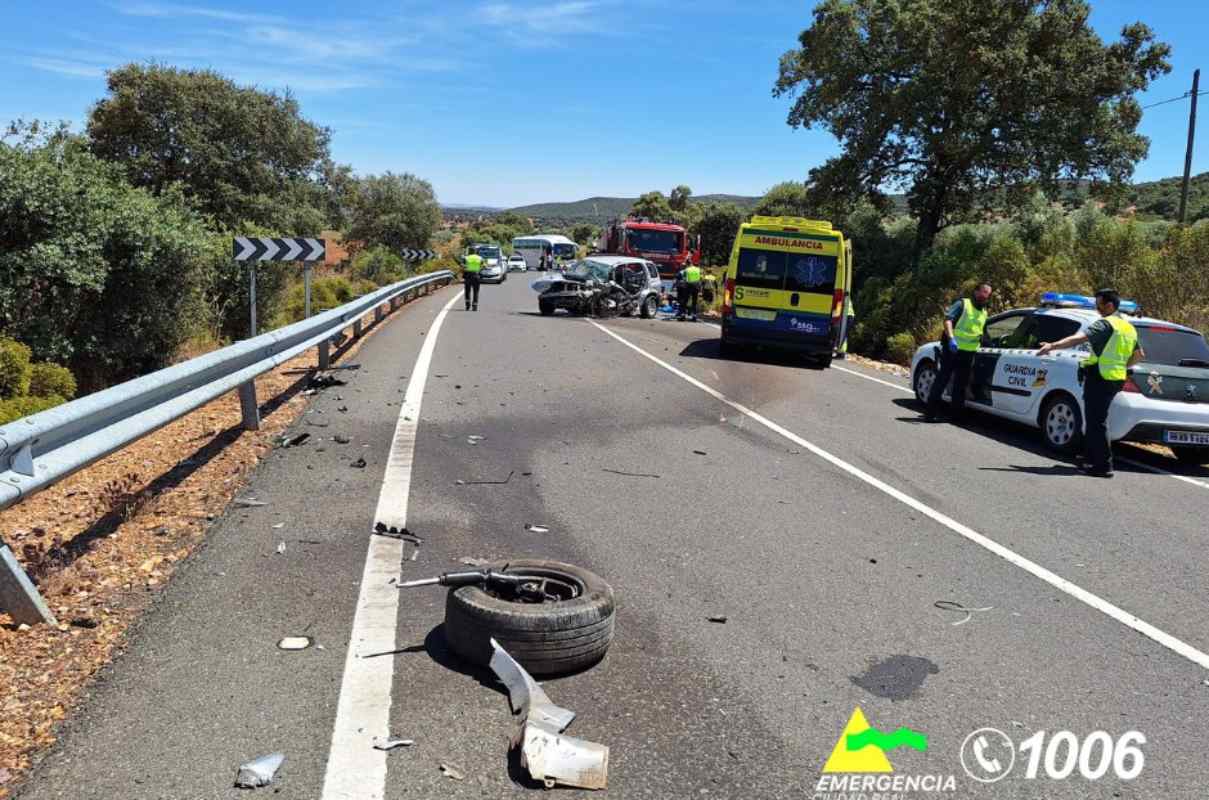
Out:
{"x": 667, "y": 245}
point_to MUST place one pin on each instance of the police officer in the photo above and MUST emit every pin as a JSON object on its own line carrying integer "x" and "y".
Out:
{"x": 964, "y": 323}
{"x": 850, "y": 319}
{"x": 1115, "y": 348}
{"x": 690, "y": 279}
{"x": 470, "y": 280}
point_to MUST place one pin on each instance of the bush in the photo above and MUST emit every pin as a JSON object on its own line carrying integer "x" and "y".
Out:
{"x": 327, "y": 293}
{"x": 18, "y": 407}
{"x": 379, "y": 265}
{"x": 14, "y": 369}
{"x": 900, "y": 348}
{"x": 48, "y": 380}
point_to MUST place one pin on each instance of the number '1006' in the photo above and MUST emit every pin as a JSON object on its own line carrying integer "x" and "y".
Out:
{"x": 1093, "y": 757}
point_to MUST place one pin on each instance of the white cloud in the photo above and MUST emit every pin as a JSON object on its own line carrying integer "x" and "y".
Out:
{"x": 174, "y": 10}
{"x": 78, "y": 69}
{"x": 570, "y": 16}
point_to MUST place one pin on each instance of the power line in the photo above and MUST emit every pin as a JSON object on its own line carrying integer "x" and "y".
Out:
{"x": 1184, "y": 96}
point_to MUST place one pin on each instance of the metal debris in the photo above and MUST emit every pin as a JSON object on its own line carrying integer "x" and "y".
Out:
{"x": 550, "y": 757}
{"x": 295, "y": 643}
{"x": 486, "y": 483}
{"x": 452, "y": 772}
{"x": 537, "y": 528}
{"x": 630, "y": 474}
{"x": 260, "y": 772}
{"x": 952, "y": 605}
{"x": 296, "y": 440}
{"x": 391, "y": 744}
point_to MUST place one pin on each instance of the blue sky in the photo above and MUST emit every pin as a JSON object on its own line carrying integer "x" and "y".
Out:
{"x": 504, "y": 103}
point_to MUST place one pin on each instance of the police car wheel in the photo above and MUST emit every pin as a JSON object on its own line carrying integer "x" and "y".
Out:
{"x": 1062, "y": 423}
{"x": 925, "y": 379}
{"x": 1191, "y": 455}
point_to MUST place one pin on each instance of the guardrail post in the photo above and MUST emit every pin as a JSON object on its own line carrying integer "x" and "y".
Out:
{"x": 249, "y": 407}
{"x": 18, "y": 595}
{"x": 378, "y": 313}
{"x": 357, "y": 328}
{"x": 325, "y": 354}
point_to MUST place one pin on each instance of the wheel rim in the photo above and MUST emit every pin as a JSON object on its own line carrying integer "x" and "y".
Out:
{"x": 651, "y": 307}
{"x": 1060, "y": 424}
{"x": 923, "y": 383}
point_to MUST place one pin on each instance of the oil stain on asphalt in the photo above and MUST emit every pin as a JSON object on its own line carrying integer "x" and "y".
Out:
{"x": 897, "y": 677}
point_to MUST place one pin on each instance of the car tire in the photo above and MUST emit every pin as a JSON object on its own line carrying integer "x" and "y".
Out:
{"x": 727, "y": 348}
{"x": 545, "y": 307}
{"x": 553, "y": 638}
{"x": 650, "y": 307}
{"x": 1061, "y": 423}
{"x": 925, "y": 379}
{"x": 1196, "y": 456}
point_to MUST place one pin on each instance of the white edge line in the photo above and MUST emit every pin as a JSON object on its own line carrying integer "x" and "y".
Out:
{"x": 1036, "y": 570}
{"x": 898, "y": 386}
{"x": 355, "y": 770}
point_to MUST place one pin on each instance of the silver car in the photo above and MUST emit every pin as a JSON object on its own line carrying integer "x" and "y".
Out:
{"x": 603, "y": 286}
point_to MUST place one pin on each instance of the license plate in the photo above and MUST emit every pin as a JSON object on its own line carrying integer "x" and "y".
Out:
{"x": 1187, "y": 437}
{"x": 756, "y": 313}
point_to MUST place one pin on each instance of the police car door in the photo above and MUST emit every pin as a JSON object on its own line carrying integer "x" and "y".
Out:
{"x": 988, "y": 386}
{"x": 1020, "y": 375}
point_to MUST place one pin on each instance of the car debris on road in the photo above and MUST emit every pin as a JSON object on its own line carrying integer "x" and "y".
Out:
{"x": 295, "y": 643}
{"x": 452, "y": 772}
{"x": 259, "y": 772}
{"x": 389, "y": 744}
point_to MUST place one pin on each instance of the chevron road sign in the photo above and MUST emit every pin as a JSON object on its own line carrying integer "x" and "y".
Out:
{"x": 263, "y": 248}
{"x": 417, "y": 255}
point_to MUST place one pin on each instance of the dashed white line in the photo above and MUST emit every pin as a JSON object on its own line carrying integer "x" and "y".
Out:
{"x": 1036, "y": 570}
{"x": 355, "y": 770}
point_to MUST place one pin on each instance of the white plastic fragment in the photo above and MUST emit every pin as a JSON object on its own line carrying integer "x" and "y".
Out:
{"x": 452, "y": 772}
{"x": 390, "y": 744}
{"x": 294, "y": 643}
{"x": 260, "y": 772}
{"x": 281, "y": 549}
{"x": 537, "y": 528}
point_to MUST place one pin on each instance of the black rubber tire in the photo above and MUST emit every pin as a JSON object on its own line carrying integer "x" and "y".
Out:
{"x": 822, "y": 362}
{"x": 926, "y": 364}
{"x": 727, "y": 349}
{"x": 546, "y": 308}
{"x": 1075, "y": 443}
{"x": 1191, "y": 454}
{"x": 650, "y": 307}
{"x": 547, "y": 639}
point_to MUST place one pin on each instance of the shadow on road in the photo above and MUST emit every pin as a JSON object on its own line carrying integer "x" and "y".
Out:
{"x": 711, "y": 349}
{"x": 1050, "y": 471}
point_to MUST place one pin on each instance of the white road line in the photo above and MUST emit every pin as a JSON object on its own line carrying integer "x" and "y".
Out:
{"x": 355, "y": 770}
{"x": 898, "y": 386}
{"x": 1036, "y": 570}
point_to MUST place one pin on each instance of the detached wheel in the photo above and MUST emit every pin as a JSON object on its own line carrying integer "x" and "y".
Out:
{"x": 925, "y": 379}
{"x": 553, "y": 637}
{"x": 1195, "y": 456}
{"x": 547, "y": 308}
{"x": 650, "y": 307}
{"x": 1062, "y": 424}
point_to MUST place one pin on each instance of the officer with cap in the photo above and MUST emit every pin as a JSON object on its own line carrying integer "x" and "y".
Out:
{"x": 1115, "y": 348}
{"x": 964, "y": 323}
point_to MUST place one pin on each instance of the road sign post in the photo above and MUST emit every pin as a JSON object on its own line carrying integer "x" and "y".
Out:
{"x": 306, "y": 280}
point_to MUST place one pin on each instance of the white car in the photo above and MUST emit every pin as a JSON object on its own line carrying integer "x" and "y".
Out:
{"x": 494, "y": 269}
{"x": 1165, "y": 400}
{"x": 516, "y": 263}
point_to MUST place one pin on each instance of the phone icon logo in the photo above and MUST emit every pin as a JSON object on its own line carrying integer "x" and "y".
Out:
{"x": 988, "y": 755}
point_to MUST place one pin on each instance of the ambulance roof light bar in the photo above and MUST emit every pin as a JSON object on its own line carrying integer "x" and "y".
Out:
{"x": 1067, "y": 300}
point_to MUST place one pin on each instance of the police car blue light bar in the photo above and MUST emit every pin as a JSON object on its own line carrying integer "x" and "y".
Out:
{"x": 1065, "y": 300}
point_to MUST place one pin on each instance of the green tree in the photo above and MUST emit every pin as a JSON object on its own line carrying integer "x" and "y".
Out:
{"x": 396, "y": 211}
{"x": 788, "y": 199}
{"x": 239, "y": 153}
{"x": 584, "y": 233}
{"x": 953, "y": 99}
{"x": 679, "y": 198}
{"x": 653, "y": 206}
{"x": 717, "y": 227}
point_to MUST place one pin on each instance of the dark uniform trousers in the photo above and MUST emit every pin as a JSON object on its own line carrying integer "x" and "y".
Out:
{"x": 957, "y": 366}
{"x": 470, "y": 284}
{"x": 1097, "y": 398}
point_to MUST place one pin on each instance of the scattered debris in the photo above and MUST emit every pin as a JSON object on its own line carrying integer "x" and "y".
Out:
{"x": 281, "y": 549}
{"x": 630, "y": 474}
{"x": 407, "y": 537}
{"x": 537, "y": 528}
{"x": 260, "y": 772}
{"x": 476, "y": 438}
{"x": 452, "y": 772}
{"x": 325, "y": 382}
{"x": 358, "y": 464}
{"x": 279, "y": 526}
{"x": 549, "y": 756}
{"x": 391, "y": 744}
{"x": 951, "y": 605}
{"x": 526, "y": 474}
{"x": 295, "y": 643}
{"x": 719, "y": 619}
{"x": 701, "y": 452}
{"x": 296, "y": 440}
{"x": 248, "y": 503}
{"x": 315, "y": 424}
{"x": 486, "y": 483}
{"x": 343, "y": 409}
{"x": 474, "y": 562}
{"x": 340, "y": 438}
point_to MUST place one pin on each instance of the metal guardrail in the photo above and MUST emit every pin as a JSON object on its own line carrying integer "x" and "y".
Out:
{"x": 42, "y": 449}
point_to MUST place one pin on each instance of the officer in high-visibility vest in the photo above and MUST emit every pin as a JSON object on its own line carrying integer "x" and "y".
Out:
{"x": 691, "y": 276}
{"x": 964, "y": 323}
{"x": 1115, "y": 348}
{"x": 470, "y": 280}
{"x": 849, "y": 320}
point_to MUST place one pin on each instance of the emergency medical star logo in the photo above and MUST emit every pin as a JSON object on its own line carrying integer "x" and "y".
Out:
{"x": 862, "y": 749}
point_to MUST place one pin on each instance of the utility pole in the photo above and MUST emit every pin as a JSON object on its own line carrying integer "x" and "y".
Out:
{"x": 1196, "y": 85}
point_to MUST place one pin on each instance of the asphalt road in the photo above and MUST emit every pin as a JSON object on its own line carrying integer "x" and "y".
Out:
{"x": 818, "y": 524}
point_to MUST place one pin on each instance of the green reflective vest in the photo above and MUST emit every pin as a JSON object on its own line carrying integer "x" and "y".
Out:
{"x": 1114, "y": 360}
{"x": 692, "y": 274}
{"x": 968, "y": 330}
{"x": 474, "y": 262}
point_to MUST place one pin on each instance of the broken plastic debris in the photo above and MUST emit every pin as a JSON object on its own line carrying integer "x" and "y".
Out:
{"x": 452, "y": 772}
{"x": 341, "y": 439}
{"x": 294, "y": 441}
{"x": 358, "y": 464}
{"x": 951, "y": 605}
{"x": 294, "y": 643}
{"x": 281, "y": 548}
{"x": 701, "y": 452}
{"x": 537, "y": 528}
{"x": 391, "y": 744}
{"x": 279, "y": 526}
{"x": 719, "y": 619}
{"x": 260, "y": 772}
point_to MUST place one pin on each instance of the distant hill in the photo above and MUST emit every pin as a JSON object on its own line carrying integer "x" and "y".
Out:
{"x": 1161, "y": 198}
{"x": 599, "y": 210}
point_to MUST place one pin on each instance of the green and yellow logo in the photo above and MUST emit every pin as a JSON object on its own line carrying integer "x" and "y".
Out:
{"x": 862, "y": 748}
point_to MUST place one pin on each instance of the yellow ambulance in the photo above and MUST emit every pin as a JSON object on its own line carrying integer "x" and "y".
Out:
{"x": 785, "y": 287}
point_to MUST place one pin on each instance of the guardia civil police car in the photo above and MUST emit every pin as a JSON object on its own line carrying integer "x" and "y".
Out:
{"x": 1165, "y": 399}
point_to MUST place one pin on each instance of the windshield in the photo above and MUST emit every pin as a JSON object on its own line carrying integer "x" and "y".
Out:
{"x": 653, "y": 241}
{"x": 488, "y": 252}
{"x": 565, "y": 250}
{"x": 589, "y": 269}
{"x": 1171, "y": 346}
{"x": 792, "y": 272}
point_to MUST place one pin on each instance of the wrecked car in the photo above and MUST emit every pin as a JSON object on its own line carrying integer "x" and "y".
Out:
{"x": 603, "y": 286}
